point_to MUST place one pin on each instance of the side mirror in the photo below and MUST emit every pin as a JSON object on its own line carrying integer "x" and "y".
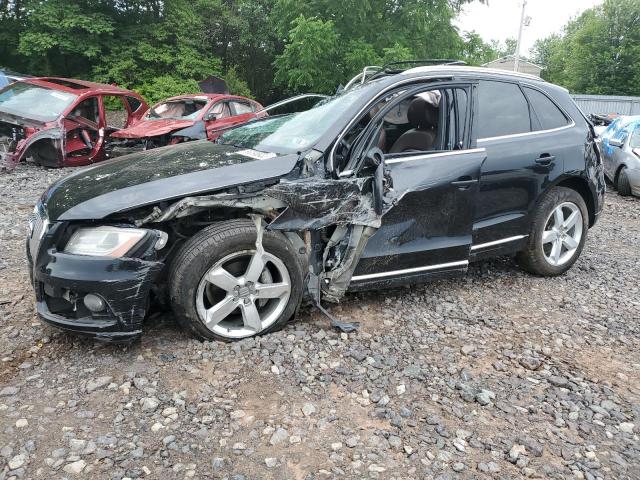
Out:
{"x": 210, "y": 117}
{"x": 615, "y": 143}
{"x": 374, "y": 157}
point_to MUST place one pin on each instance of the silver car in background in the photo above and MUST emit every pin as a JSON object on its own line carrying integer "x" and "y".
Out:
{"x": 620, "y": 144}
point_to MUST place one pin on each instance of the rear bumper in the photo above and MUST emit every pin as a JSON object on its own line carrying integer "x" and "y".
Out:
{"x": 61, "y": 281}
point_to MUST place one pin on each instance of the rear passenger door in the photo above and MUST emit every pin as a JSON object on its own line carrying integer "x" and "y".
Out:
{"x": 525, "y": 136}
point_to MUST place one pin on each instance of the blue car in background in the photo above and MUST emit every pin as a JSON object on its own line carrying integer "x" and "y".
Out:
{"x": 8, "y": 76}
{"x": 620, "y": 144}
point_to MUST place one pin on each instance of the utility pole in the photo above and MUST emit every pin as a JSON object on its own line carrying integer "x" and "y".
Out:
{"x": 516, "y": 65}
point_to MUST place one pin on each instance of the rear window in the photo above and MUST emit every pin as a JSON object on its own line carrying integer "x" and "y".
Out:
{"x": 503, "y": 110}
{"x": 549, "y": 115}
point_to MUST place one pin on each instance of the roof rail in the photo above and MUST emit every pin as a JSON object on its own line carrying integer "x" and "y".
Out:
{"x": 425, "y": 62}
{"x": 392, "y": 68}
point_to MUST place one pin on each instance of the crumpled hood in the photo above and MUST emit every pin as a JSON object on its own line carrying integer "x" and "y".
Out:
{"x": 152, "y": 128}
{"x": 166, "y": 173}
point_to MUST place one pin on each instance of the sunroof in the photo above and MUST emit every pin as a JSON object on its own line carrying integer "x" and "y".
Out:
{"x": 66, "y": 83}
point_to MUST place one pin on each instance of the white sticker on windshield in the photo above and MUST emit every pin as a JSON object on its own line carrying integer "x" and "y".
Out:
{"x": 60, "y": 95}
{"x": 256, "y": 154}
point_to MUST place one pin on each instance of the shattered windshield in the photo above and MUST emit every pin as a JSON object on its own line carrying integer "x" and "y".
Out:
{"x": 33, "y": 101}
{"x": 176, "y": 110}
{"x": 291, "y": 133}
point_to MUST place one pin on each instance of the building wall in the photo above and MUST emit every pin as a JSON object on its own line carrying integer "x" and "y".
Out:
{"x": 509, "y": 63}
{"x": 608, "y": 104}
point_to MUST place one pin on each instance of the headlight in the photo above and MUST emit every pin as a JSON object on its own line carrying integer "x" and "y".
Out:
{"x": 104, "y": 241}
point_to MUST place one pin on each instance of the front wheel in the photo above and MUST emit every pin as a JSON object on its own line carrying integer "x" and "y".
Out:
{"x": 558, "y": 233}
{"x": 623, "y": 186}
{"x": 233, "y": 281}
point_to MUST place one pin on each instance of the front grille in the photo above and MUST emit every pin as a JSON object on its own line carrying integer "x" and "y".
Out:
{"x": 38, "y": 223}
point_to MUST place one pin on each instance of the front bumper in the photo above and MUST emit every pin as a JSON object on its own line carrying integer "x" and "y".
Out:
{"x": 62, "y": 280}
{"x": 8, "y": 159}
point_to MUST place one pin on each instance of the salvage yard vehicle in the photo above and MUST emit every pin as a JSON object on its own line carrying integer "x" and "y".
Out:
{"x": 407, "y": 177}
{"x": 620, "y": 144}
{"x": 184, "y": 118}
{"x": 61, "y": 122}
{"x": 9, "y": 76}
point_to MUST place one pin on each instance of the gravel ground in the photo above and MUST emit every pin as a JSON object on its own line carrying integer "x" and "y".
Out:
{"x": 496, "y": 375}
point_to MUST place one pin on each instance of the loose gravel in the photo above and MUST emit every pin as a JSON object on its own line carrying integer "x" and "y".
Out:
{"x": 499, "y": 374}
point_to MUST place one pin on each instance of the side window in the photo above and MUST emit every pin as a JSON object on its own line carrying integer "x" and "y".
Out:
{"x": 88, "y": 109}
{"x": 549, "y": 115}
{"x": 220, "y": 110}
{"x": 503, "y": 110}
{"x": 240, "y": 108}
{"x": 432, "y": 120}
{"x": 115, "y": 112}
{"x": 134, "y": 103}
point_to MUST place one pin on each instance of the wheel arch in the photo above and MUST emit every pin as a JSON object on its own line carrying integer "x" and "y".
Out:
{"x": 617, "y": 174}
{"x": 581, "y": 186}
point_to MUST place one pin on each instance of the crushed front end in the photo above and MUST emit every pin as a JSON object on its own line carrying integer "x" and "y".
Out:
{"x": 101, "y": 296}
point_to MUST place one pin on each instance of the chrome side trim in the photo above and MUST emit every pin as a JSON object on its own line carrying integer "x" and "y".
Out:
{"x": 434, "y": 155}
{"x": 410, "y": 270}
{"x": 527, "y": 134}
{"x": 498, "y": 242}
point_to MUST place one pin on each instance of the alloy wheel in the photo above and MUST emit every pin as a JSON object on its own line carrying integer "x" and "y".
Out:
{"x": 243, "y": 293}
{"x": 562, "y": 234}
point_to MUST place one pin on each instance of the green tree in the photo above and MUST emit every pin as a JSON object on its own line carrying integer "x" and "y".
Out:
{"x": 309, "y": 59}
{"x": 598, "y": 52}
{"x": 64, "y": 37}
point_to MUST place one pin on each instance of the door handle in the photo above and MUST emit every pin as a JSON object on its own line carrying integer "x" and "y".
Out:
{"x": 464, "y": 182}
{"x": 545, "y": 159}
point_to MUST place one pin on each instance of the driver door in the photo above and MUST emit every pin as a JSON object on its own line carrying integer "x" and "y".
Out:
{"x": 427, "y": 220}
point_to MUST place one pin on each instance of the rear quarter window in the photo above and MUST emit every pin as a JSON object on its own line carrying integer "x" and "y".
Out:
{"x": 548, "y": 114}
{"x": 503, "y": 110}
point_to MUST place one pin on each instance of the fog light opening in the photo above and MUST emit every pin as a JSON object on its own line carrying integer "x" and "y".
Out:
{"x": 94, "y": 303}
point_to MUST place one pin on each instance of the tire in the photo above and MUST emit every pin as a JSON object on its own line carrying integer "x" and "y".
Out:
{"x": 538, "y": 257}
{"x": 622, "y": 185}
{"x": 230, "y": 246}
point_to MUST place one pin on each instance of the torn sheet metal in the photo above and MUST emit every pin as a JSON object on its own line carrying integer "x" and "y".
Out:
{"x": 315, "y": 203}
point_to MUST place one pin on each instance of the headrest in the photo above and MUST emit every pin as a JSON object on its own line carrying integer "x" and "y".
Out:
{"x": 422, "y": 114}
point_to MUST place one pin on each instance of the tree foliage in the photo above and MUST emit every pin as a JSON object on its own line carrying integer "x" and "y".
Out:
{"x": 263, "y": 48}
{"x": 598, "y": 52}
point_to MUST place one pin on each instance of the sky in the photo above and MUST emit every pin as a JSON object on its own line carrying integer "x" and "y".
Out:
{"x": 500, "y": 19}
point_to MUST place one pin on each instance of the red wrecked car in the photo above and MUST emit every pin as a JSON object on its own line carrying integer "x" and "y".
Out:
{"x": 63, "y": 122}
{"x": 183, "y": 118}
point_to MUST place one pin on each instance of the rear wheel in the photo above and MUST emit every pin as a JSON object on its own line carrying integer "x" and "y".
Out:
{"x": 623, "y": 186}
{"x": 558, "y": 233}
{"x": 231, "y": 282}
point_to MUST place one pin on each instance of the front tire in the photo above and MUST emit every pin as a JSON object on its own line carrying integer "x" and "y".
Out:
{"x": 558, "y": 233}
{"x": 222, "y": 286}
{"x": 623, "y": 186}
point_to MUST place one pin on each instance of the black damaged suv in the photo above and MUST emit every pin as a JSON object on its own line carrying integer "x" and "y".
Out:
{"x": 408, "y": 176}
